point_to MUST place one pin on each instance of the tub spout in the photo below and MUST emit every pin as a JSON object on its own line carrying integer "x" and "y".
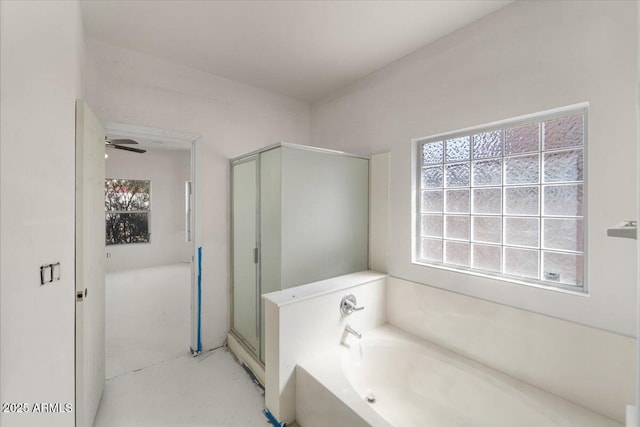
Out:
{"x": 352, "y": 331}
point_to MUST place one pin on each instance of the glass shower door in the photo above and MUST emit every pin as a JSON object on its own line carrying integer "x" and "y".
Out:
{"x": 245, "y": 252}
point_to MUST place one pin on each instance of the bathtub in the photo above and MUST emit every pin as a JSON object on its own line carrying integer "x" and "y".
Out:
{"x": 390, "y": 378}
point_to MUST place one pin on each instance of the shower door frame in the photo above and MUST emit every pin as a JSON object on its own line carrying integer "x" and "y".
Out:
{"x": 255, "y": 352}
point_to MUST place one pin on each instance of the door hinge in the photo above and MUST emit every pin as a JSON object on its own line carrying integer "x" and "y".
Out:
{"x": 255, "y": 255}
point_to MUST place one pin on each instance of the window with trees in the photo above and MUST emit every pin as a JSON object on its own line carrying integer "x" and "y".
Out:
{"x": 506, "y": 201}
{"x": 127, "y": 209}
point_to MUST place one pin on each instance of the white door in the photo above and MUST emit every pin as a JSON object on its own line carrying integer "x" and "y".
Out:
{"x": 90, "y": 254}
{"x": 245, "y": 257}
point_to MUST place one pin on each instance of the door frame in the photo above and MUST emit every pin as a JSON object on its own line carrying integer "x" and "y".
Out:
{"x": 193, "y": 142}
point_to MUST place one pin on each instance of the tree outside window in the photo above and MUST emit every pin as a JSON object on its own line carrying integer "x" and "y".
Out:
{"x": 127, "y": 207}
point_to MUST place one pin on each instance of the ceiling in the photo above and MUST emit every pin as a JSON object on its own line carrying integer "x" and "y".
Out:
{"x": 302, "y": 49}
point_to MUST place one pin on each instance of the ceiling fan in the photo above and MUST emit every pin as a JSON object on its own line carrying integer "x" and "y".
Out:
{"x": 121, "y": 144}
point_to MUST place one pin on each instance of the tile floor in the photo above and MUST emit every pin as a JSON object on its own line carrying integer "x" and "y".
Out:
{"x": 152, "y": 379}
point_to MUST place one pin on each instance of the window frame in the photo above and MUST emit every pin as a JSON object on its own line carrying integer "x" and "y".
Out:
{"x": 416, "y": 189}
{"x": 147, "y": 212}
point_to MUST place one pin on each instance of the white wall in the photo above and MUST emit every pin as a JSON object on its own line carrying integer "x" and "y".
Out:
{"x": 379, "y": 212}
{"x": 167, "y": 170}
{"x": 127, "y": 87}
{"x": 40, "y": 62}
{"x": 525, "y": 58}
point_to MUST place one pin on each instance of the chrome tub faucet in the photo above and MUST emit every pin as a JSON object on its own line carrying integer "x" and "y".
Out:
{"x": 352, "y": 331}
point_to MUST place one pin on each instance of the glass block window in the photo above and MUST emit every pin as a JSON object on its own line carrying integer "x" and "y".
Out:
{"x": 506, "y": 201}
{"x": 127, "y": 207}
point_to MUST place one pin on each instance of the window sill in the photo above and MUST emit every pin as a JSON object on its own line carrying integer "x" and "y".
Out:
{"x": 566, "y": 289}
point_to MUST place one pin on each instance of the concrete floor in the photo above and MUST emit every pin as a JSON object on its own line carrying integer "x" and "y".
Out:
{"x": 147, "y": 318}
{"x": 152, "y": 379}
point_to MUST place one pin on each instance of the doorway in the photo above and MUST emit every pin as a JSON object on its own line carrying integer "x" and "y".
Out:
{"x": 152, "y": 280}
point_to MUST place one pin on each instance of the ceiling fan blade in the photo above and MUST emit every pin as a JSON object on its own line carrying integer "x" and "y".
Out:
{"x": 119, "y": 147}
{"x": 122, "y": 141}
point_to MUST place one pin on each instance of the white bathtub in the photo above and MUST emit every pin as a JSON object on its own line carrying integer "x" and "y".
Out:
{"x": 416, "y": 383}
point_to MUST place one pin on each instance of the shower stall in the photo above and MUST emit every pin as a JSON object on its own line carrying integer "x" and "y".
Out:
{"x": 299, "y": 215}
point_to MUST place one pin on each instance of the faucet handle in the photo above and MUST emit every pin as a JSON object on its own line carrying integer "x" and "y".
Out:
{"x": 349, "y": 304}
{"x": 353, "y": 305}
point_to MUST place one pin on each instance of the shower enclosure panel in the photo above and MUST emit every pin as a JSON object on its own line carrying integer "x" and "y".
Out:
{"x": 245, "y": 247}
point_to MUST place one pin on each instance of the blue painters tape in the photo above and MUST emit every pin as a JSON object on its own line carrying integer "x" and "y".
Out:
{"x": 199, "y": 299}
{"x": 273, "y": 420}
